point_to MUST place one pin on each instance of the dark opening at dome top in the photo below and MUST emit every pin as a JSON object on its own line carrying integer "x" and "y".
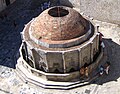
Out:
{"x": 58, "y": 12}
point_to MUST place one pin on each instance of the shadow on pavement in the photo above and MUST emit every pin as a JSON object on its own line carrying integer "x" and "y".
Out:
{"x": 12, "y": 22}
{"x": 113, "y": 51}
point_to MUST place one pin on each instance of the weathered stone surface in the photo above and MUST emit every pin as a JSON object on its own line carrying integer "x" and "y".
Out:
{"x": 104, "y": 10}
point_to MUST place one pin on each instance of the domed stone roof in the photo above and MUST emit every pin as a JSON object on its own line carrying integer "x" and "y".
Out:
{"x": 58, "y": 23}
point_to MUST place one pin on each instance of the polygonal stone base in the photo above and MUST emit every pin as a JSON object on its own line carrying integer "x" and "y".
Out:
{"x": 27, "y": 76}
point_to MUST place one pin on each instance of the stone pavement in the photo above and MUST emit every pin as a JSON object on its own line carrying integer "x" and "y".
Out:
{"x": 20, "y": 14}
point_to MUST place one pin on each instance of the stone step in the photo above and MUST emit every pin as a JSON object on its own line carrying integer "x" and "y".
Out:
{"x": 44, "y": 83}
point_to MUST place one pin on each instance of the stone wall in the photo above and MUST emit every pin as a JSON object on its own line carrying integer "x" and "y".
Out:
{"x": 2, "y": 5}
{"x": 55, "y": 62}
{"x": 71, "y": 60}
{"x": 85, "y": 54}
{"x": 11, "y": 1}
{"x": 104, "y": 10}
